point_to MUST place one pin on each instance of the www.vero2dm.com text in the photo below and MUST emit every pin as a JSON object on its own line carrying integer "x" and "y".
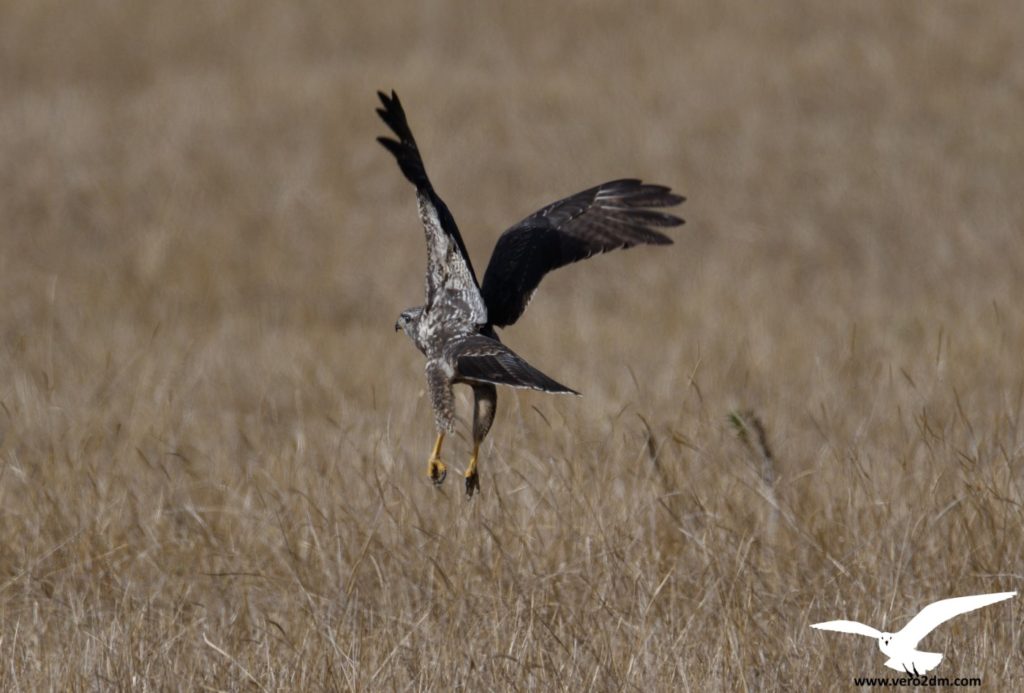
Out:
{"x": 914, "y": 681}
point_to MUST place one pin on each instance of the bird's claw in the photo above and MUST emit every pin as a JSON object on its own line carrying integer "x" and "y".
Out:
{"x": 437, "y": 471}
{"x": 472, "y": 483}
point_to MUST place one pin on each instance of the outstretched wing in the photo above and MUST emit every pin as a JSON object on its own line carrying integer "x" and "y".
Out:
{"x": 448, "y": 265}
{"x": 484, "y": 360}
{"x": 937, "y": 613}
{"x": 617, "y": 214}
{"x": 848, "y": 627}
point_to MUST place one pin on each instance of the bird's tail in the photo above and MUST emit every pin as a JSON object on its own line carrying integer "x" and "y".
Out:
{"x": 486, "y": 360}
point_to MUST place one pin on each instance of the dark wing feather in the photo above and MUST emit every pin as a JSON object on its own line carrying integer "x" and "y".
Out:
{"x": 485, "y": 360}
{"x": 445, "y": 269}
{"x": 617, "y": 214}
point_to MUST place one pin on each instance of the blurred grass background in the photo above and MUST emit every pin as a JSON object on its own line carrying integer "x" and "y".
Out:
{"x": 212, "y": 463}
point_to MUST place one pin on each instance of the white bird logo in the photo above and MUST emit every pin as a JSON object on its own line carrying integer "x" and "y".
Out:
{"x": 901, "y": 647}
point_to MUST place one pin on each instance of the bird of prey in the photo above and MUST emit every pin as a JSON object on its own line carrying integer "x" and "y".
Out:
{"x": 901, "y": 647}
{"x": 455, "y": 328}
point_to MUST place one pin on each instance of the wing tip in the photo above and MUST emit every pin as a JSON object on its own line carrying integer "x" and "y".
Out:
{"x": 662, "y": 195}
{"x": 1005, "y": 595}
{"x": 402, "y": 144}
{"x": 397, "y": 150}
{"x": 389, "y": 100}
{"x": 393, "y": 116}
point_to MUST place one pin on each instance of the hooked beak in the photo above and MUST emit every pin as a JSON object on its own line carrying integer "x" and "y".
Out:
{"x": 397, "y": 326}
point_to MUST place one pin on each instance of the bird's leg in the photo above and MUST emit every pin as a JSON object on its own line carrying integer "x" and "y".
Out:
{"x": 472, "y": 479}
{"x": 912, "y": 671}
{"x": 436, "y": 469}
{"x": 485, "y": 403}
{"x": 439, "y": 383}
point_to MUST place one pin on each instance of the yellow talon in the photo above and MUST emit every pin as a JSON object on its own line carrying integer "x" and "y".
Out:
{"x": 436, "y": 469}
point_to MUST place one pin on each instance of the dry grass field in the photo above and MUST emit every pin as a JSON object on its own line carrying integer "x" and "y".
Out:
{"x": 213, "y": 445}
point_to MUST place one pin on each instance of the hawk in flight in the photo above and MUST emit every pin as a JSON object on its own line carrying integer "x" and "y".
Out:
{"x": 455, "y": 329}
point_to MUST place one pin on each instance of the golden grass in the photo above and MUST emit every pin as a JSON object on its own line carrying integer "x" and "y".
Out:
{"x": 212, "y": 466}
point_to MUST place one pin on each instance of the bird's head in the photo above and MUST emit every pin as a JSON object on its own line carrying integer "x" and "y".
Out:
{"x": 883, "y": 642}
{"x": 408, "y": 321}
